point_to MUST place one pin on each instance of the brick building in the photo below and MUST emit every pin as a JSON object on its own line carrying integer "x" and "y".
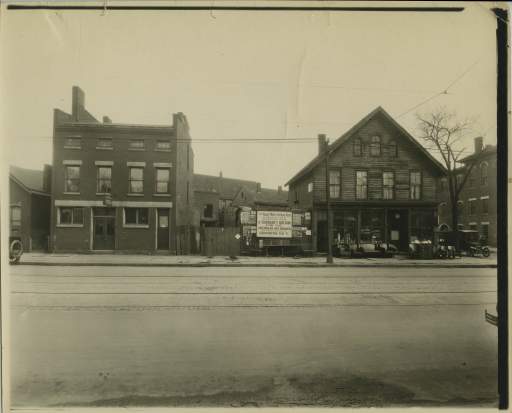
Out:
{"x": 218, "y": 199}
{"x": 29, "y": 202}
{"x": 382, "y": 186}
{"x": 477, "y": 201}
{"x": 120, "y": 187}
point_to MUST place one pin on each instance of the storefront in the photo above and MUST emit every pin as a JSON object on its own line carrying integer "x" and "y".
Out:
{"x": 370, "y": 225}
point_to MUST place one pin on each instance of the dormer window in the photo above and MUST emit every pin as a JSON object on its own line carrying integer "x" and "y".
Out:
{"x": 357, "y": 147}
{"x": 375, "y": 146}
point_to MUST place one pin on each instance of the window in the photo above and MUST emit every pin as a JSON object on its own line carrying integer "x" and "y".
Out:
{"x": 104, "y": 181}
{"x": 162, "y": 180}
{"x": 136, "y": 180}
{"x": 357, "y": 147}
{"x": 393, "y": 149}
{"x": 72, "y": 179}
{"x": 310, "y": 187}
{"x": 361, "y": 184}
{"x": 443, "y": 183}
{"x": 415, "y": 185}
{"x": 388, "y": 185}
{"x": 163, "y": 145}
{"x": 473, "y": 227}
{"x": 483, "y": 173}
{"x": 375, "y": 146}
{"x": 484, "y": 231}
{"x": 472, "y": 206}
{"x": 73, "y": 143}
{"x": 104, "y": 143}
{"x": 208, "y": 211}
{"x": 15, "y": 216}
{"x": 136, "y": 216}
{"x": 70, "y": 216}
{"x": 485, "y": 205}
{"x": 136, "y": 145}
{"x": 296, "y": 196}
{"x": 334, "y": 183}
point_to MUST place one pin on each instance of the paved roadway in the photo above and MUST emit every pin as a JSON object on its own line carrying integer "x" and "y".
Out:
{"x": 120, "y": 336}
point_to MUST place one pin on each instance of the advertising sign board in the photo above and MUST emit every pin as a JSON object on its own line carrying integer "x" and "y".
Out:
{"x": 274, "y": 224}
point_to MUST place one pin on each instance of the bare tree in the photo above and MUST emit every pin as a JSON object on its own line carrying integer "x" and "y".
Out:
{"x": 441, "y": 132}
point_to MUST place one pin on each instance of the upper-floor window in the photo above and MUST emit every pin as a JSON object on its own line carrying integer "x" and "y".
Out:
{"x": 72, "y": 178}
{"x": 375, "y": 146}
{"x": 136, "y": 217}
{"x": 70, "y": 216}
{"x": 388, "y": 185}
{"x": 136, "y": 180}
{"x": 162, "y": 180}
{"x": 310, "y": 187}
{"x": 334, "y": 183}
{"x": 357, "y": 147}
{"x": 415, "y": 185}
{"x": 483, "y": 173}
{"x": 361, "y": 184}
{"x": 472, "y": 206}
{"x": 485, "y": 205}
{"x": 208, "y": 211}
{"x": 104, "y": 143}
{"x": 136, "y": 144}
{"x": 393, "y": 149}
{"x": 104, "y": 180}
{"x": 15, "y": 216}
{"x": 163, "y": 145}
{"x": 73, "y": 143}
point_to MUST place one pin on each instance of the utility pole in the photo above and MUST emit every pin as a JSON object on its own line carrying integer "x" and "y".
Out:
{"x": 328, "y": 202}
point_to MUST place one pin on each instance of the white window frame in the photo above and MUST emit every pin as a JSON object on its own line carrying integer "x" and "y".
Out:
{"x": 72, "y": 225}
{"x": 67, "y": 164}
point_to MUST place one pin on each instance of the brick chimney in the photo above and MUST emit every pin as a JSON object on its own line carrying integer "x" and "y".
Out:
{"x": 322, "y": 143}
{"x": 78, "y": 103}
{"x": 106, "y": 119}
{"x": 47, "y": 178}
{"x": 479, "y": 144}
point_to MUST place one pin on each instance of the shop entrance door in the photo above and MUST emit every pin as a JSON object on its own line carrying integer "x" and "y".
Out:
{"x": 398, "y": 222}
{"x": 162, "y": 236}
{"x": 321, "y": 237}
{"x": 104, "y": 223}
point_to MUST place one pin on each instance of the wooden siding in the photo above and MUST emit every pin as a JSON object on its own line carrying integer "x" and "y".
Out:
{"x": 408, "y": 159}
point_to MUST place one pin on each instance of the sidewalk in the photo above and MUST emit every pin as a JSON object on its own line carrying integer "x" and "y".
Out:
{"x": 201, "y": 261}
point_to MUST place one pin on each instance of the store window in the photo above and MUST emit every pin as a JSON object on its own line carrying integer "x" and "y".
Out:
{"x": 335, "y": 183}
{"x": 372, "y": 226}
{"x": 422, "y": 225}
{"x": 361, "y": 185}
{"x": 70, "y": 216}
{"x": 136, "y": 216}
{"x": 345, "y": 226}
{"x": 72, "y": 179}
{"x": 104, "y": 181}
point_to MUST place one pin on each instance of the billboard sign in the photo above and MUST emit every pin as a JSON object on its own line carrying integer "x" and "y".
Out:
{"x": 274, "y": 224}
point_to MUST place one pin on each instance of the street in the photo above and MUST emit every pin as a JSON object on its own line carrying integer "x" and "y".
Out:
{"x": 125, "y": 336}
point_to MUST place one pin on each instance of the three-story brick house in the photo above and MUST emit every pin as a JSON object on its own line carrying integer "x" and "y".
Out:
{"x": 120, "y": 187}
{"x": 382, "y": 186}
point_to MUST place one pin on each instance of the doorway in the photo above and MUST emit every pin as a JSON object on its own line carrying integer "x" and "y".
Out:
{"x": 398, "y": 227}
{"x": 104, "y": 223}
{"x": 321, "y": 238}
{"x": 162, "y": 229}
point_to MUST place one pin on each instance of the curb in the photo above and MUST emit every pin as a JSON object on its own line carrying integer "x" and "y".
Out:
{"x": 239, "y": 265}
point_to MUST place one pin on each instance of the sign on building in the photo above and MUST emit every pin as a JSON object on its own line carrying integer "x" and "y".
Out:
{"x": 274, "y": 224}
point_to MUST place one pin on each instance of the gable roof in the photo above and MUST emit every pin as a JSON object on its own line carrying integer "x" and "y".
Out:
{"x": 29, "y": 179}
{"x": 488, "y": 150}
{"x": 354, "y": 129}
{"x": 227, "y": 188}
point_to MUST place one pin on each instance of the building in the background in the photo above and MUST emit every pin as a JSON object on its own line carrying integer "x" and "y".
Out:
{"x": 477, "y": 201}
{"x": 120, "y": 187}
{"x": 382, "y": 186}
{"x": 29, "y": 206}
{"x": 218, "y": 199}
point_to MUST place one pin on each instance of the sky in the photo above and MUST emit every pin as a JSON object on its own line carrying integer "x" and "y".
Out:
{"x": 244, "y": 75}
